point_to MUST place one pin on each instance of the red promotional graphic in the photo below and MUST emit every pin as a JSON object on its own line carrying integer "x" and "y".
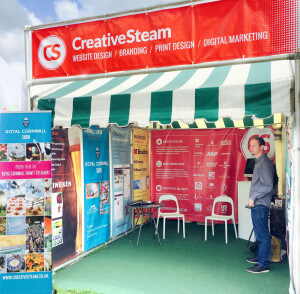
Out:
{"x": 197, "y": 166}
{"x": 210, "y": 31}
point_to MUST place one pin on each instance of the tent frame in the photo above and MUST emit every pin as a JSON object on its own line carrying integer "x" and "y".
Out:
{"x": 295, "y": 268}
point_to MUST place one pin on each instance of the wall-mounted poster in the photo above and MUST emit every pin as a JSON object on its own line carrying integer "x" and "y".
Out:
{"x": 25, "y": 164}
{"x": 96, "y": 187}
{"x": 64, "y": 198}
{"x": 141, "y": 171}
{"x": 196, "y": 166}
{"x": 121, "y": 183}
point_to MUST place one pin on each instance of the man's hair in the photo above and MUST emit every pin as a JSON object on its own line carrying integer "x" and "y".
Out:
{"x": 260, "y": 140}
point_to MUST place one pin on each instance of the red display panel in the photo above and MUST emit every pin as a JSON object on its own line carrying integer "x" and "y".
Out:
{"x": 197, "y": 166}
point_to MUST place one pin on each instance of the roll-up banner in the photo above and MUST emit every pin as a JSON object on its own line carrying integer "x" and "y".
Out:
{"x": 141, "y": 165}
{"x": 121, "y": 184}
{"x": 290, "y": 189}
{"x": 65, "y": 216}
{"x": 191, "y": 34}
{"x": 96, "y": 187}
{"x": 25, "y": 203}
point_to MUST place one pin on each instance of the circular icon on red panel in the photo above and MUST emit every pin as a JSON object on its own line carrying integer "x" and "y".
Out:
{"x": 158, "y": 163}
{"x": 52, "y": 52}
{"x": 158, "y": 188}
{"x": 159, "y": 141}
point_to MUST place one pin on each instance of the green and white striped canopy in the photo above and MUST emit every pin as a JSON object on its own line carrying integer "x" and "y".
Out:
{"x": 228, "y": 92}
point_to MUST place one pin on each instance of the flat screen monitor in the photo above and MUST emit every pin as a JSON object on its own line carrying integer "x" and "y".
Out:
{"x": 248, "y": 173}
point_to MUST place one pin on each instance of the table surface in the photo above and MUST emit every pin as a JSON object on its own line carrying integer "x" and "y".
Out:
{"x": 136, "y": 204}
{"x": 143, "y": 209}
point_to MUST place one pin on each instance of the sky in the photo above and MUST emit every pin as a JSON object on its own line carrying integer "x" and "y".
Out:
{"x": 16, "y": 14}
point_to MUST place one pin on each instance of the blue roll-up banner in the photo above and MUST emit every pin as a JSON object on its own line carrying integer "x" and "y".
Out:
{"x": 121, "y": 185}
{"x": 96, "y": 187}
{"x": 25, "y": 194}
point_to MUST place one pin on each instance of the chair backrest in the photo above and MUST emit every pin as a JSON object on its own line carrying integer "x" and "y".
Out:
{"x": 168, "y": 197}
{"x": 223, "y": 198}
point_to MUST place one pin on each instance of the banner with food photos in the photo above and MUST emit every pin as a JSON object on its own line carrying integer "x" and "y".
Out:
{"x": 96, "y": 187}
{"x": 25, "y": 178}
{"x": 121, "y": 184}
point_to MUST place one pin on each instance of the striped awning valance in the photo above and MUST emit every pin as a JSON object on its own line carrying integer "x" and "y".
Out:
{"x": 228, "y": 92}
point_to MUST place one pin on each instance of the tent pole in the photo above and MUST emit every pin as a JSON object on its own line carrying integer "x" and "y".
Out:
{"x": 296, "y": 163}
{"x": 27, "y": 33}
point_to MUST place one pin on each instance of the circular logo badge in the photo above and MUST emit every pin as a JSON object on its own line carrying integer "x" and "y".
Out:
{"x": 52, "y": 52}
{"x": 159, "y": 141}
{"x": 158, "y": 163}
{"x": 158, "y": 188}
{"x": 267, "y": 134}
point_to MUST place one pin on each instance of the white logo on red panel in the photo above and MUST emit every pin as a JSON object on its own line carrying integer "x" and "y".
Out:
{"x": 267, "y": 134}
{"x": 158, "y": 188}
{"x": 198, "y": 206}
{"x": 52, "y": 52}
{"x": 226, "y": 142}
{"x": 211, "y": 175}
{"x": 158, "y": 163}
{"x": 224, "y": 208}
{"x": 211, "y": 164}
{"x": 159, "y": 141}
{"x": 198, "y": 185}
{"x": 224, "y": 187}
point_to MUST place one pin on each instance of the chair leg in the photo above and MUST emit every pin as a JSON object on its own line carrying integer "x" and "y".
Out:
{"x": 226, "y": 231}
{"x": 205, "y": 229}
{"x": 212, "y": 227}
{"x": 178, "y": 223}
{"x": 236, "y": 236}
{"x": 183, "y": 226}
{"x": 164, "y": 229}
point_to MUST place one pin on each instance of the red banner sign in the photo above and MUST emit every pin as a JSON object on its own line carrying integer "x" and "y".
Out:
{"x": 213, "y": 31}
{"x": 197, "y": 166}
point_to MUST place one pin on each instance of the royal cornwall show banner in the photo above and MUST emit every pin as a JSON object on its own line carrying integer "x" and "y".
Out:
{"x": 96, "y": 187}
{"x": 191, "y": 34}
{"x": 25, "y": 203}
{"x": 121, "y": 184}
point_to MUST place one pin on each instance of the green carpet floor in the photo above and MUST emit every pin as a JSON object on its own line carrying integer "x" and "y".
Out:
{"x": 188, "y": 265}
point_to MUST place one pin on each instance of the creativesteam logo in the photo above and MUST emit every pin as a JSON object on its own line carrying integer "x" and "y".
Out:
{"x": 52, "y": 52}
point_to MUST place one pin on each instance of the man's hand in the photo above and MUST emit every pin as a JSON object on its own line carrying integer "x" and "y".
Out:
{"x": 251, "y": 202}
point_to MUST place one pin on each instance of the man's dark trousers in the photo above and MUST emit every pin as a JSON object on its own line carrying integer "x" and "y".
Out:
{"x": 259, "y": 214}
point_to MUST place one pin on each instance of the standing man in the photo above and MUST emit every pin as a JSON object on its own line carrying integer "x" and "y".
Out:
{"x": 259, "y": 201}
